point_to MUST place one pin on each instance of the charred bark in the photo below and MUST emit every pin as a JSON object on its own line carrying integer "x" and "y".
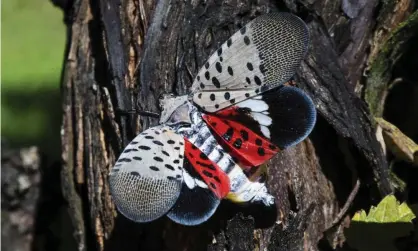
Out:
{"x": 124, "y": 54}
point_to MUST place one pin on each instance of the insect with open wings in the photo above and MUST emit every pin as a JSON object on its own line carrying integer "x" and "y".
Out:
{"x": 239, "y": 113}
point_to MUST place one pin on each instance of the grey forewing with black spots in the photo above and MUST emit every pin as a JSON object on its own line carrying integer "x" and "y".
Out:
{"x": 262, "y": 55}
{"x": 147, "y": 178}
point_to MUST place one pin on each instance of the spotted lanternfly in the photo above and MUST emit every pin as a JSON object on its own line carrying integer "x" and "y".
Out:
{"x": 240, "y": 112}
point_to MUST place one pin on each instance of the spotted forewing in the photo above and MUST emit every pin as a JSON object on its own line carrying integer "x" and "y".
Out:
{"x": 241, "y": 95}
{"x": 262, "y": 55}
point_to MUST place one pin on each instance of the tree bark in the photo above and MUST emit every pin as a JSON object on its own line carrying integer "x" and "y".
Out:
{"x": 20, "y": 183}
{"x": 121, "y": 54}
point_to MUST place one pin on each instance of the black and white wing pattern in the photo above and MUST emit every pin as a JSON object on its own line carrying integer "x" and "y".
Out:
{"x": 160, "y": 172}
{"x": 147, "y": 179}
{"x": 196, "y": 203}
{"x": 261, "y": 56}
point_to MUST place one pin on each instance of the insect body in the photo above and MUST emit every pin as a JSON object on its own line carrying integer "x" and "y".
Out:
{"x": 211, "y": 142}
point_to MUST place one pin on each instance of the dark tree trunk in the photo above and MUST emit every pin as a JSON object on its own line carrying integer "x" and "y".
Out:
{"x": 121, "y": 53}
{"x": 20, "y": 184}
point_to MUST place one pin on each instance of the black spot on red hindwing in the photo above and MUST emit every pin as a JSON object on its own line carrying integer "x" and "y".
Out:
{"x": 228, "y": 135}
{"x": 207, "y": 170}
{"x": 242, "y": 143}
{"x": 238, "y": 143}
{"x": 203, "y": 156}
{"x": 258, "y": 142}
{"x": 206, "y": 173}
{"x": 244, "y": 135}
{"x": 203, "y": 164}
{"x": 212, "y": 185}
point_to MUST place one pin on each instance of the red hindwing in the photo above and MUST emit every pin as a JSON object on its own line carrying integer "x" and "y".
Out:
{"x": 242, "y": 143}
{"x": 210, "y": 172}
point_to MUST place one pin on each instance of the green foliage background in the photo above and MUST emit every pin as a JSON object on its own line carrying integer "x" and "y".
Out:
{"x": 32, "y": 48}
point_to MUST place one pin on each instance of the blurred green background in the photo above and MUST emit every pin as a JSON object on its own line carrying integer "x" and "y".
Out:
{"x": 32, "y": 50}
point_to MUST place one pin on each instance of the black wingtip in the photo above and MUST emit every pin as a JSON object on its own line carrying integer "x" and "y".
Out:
{"x": 194, "y": 206}
{"x": 293, "y": 113}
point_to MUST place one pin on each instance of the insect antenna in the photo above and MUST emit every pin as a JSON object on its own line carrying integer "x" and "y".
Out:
{"x": 139, "y": 112}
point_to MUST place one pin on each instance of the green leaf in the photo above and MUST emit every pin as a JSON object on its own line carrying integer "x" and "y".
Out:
{"x": 378, "y": 229}
{"x": 388, "y": 210}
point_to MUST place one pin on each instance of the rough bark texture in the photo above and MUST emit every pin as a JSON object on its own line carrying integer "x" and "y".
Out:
{"x": 20, "y": 181}
{"x": 121, "y": 54}
{"x": 33, "y": 211}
